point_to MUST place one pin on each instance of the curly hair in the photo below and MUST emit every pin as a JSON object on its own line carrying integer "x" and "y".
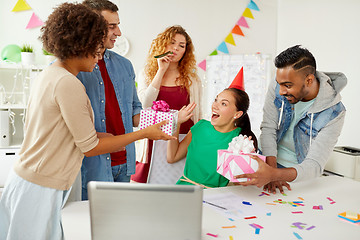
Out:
{"x": 73, "y": 30}
{"x": 187, "y": 64}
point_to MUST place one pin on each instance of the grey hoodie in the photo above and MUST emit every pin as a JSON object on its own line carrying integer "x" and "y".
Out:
{"x": 318, "y": 147}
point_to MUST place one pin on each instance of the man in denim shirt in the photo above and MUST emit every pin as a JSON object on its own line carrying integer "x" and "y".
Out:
{"x": 112, "y": 92}
{"x": 303, "y": 118}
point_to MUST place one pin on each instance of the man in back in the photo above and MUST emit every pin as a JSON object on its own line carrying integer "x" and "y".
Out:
{"x": 112, "y": 92}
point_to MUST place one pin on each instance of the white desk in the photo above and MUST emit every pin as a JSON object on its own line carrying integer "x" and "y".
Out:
{"x": 345, "y": 192}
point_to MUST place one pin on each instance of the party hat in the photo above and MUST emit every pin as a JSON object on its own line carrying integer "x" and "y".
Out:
{"x": 238, "y": 81}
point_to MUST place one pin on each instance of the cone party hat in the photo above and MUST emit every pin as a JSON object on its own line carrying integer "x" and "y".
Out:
{"x": 238, "y": 81}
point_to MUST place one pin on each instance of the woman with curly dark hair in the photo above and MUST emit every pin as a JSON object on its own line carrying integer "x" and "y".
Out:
{"x": 59, "y": 128}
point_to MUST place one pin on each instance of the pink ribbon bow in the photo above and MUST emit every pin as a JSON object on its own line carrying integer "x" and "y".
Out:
{"x": 161, "y": 106}
{"x": 240, "y": 162}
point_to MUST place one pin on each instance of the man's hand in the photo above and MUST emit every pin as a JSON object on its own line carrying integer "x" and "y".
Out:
{"x": 271, "y": 186}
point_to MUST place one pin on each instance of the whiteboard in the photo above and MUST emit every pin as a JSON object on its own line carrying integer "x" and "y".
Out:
{"x": 222, "y": 69}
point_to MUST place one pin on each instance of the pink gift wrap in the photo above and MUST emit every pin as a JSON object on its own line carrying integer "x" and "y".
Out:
{"x": 230, "y": 164}
{"x": 150, "y": 117}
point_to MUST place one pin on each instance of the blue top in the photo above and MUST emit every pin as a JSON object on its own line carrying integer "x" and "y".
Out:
{"x": 121, "y": 73}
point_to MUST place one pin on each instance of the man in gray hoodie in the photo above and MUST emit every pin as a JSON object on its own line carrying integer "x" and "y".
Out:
{"x": 303, "y": 118}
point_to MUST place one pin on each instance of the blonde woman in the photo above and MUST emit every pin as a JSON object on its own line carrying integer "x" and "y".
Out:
{"x": 171, "y": 78}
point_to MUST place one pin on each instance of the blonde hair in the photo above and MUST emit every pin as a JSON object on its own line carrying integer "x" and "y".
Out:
{"x": 187, "y": 64}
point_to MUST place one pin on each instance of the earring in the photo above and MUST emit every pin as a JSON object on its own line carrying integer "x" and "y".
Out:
{"x": 234, "y": 117}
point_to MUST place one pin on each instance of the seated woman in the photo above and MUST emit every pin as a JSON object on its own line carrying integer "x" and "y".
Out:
{"x": 229, "y": 119}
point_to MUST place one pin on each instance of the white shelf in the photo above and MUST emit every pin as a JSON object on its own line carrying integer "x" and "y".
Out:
{"x": 7, "y": 65}
{"x": 12, "y": 106}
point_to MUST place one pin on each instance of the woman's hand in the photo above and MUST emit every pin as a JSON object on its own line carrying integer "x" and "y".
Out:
{"x": 185, "y": 113}
{"x": 153, "y": 132}
{"x": 164, "y": 62}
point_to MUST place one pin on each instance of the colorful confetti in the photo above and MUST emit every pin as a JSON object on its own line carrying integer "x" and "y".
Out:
{"x": 229, "y": 226}
{"x": 250, "y": 217}
{"x": 212, "y": 235}
{"x": 297, "y": 235}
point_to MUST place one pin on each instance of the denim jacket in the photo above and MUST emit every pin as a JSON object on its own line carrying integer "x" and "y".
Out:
{"x": 122, "y": 76}
{"x": 316, "y": 132}
{"x": 308, "y": 123}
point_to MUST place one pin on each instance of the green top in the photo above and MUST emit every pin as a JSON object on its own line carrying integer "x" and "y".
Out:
{"x": 201, "y": 158}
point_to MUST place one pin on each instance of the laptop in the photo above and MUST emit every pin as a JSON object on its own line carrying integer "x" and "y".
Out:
{"x": 130, "y": 211}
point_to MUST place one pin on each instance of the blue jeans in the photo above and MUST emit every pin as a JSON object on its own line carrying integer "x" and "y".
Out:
{"x": 119, "y": 173}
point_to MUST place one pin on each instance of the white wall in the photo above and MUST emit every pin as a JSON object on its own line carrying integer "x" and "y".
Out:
{"x": 207, "y": 21}
{"x": 330, "y": 30}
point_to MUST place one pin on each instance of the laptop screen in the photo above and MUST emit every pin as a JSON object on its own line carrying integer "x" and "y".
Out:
{"x": 145, "y": 211}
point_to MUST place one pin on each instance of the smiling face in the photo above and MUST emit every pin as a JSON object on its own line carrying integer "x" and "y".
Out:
{"x": 224, "y": 112}
{"x": 294, "y": 86}
{"x": 88, "y": 63}
{"x": 177, "y": 46}
{"x": 113, "y": 28}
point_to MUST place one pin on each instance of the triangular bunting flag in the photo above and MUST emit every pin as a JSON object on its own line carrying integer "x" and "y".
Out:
{"x": 230, "y": 39}
{"x": 247, "y": 13}
{"x": 252, "y": 5}
{"x": 237, "y": 30}
{"x": 242, "y": 22}
{"x": 34, "y": 22}
{"x": 202, "y": 65}
{"x": 214, "y": 53}
{"x": 21, "y": 5}
{"x": 223, "y": 48}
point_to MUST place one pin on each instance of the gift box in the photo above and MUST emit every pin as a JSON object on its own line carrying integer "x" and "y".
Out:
{"x": 236, "y": 159}
{"x": 157, "y": 113}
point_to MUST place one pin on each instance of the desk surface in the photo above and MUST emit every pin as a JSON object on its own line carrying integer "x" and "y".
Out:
{"x": 344, "y": 192}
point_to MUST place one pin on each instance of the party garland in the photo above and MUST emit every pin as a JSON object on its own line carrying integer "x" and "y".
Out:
{"x": 235, "y": 30}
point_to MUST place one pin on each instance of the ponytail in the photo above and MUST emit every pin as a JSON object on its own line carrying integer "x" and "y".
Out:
{"x": 244, "y": 123}
{"x": 242, "y": 104}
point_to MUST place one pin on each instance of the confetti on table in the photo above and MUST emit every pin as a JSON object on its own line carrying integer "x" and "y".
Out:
{"x": 257, "y": 231}
{"x": 300, "y": 198}
{"x": 298, "y": 212}
{"x": 270, "y": 203}
{"x": 250, "y": 217}
{"x": 231, "y": 219}
{"x": 309, "y": 228}
{"x": 284, "y": 194}
{"x": 297, "y": 235}
{"x": 257, "y": 226}
{"x": 320, "y": 207}
{"x": 231, "y": 238}
{"x": 246, "y": 203}
{"x": 268, "y": 214}
{"x": 264, "y": 193}
{"x": 212, "y": 235}
{"x": 229, "y": 226}
{"x": 331, "y": 201}
{"x": 298, "y": 225}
